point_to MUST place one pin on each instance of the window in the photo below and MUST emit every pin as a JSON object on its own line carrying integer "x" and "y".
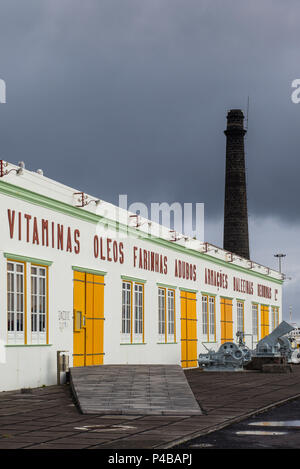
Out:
{"x": 37, "y": 331}
{"x": 161, "y": 314}
{"x": 204, "y": 315}
{"x": 132, "y": 312}
{"x": 126, "y": 311}
{"x": 212, "y": 317}
{"x": 240, "y": 316}
{"x": 16, "y": 316}
{"x": 275, "y": 317}
{"x": 166, "y": 315}
{"x": 209, "y": 318}
{"x": 38, "y": 304}
{"x": 255, "y": 322}
{"x": 138, "y": 312}
{"x": 171, "y": 316}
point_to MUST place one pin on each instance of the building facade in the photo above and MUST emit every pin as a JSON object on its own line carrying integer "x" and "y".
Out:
{"x": 83, "y": 276}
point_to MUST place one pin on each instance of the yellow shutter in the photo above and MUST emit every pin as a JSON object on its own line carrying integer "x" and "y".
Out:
{"x": 79, "y": 319}
{"x": 264, "y": 320}
{"x": 88, "y": 319}
{"x": 188, "y": 330}
{"x": 226, "y": 320}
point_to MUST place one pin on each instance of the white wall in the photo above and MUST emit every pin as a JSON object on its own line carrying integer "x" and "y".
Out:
{"x": 31, "y": 366}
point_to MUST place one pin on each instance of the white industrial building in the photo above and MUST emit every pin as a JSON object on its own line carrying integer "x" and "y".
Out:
{"x": 100, "y": 284}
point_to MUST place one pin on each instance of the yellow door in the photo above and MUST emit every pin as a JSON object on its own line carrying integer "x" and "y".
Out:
{"x": 226, "y": 320}
{"x": 98, "y": 320}
{"x": 79, "y": 320}
{"x": 188, "y": 330}
{"x": 264, "y": 320}
{"x": 88, "y": 319}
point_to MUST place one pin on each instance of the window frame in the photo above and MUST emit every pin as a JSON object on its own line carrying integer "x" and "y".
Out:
{"x": 171, "y": 337}
{"x": 239, "y": 302}
{"x": 126, "y": 307}
{"x": 207, "y": 323}
{"x": 12, "y": 337}
{"x": 45, "y": 337}
{"x": 161, "y": 314}
{"x": 164, "y": 322}
{"x": 131, "y": 336}
{"x": 274, "y": 317}
{"x": 204, "y": 301}
{"x": 138, "y": 319}
{"x": 255, "y": 336}
{"x": 277, "y": 316}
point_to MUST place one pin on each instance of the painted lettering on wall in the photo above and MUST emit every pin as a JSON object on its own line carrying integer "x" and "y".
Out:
{"x": 265, "y": 292}
{"x": 150, "y": 260}
{"x": 242, "y": 286}
{"x": 43, "y": 232}
{"x": 108, "y": 249}
{"x": 216, "y": 279}
{"x": 185, "y": 270}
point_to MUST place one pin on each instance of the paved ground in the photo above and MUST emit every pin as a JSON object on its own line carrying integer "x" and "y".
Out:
{"x": 47, "y": 418}
{"x": 133, "y": 389}
{"x": 279, "y": 428}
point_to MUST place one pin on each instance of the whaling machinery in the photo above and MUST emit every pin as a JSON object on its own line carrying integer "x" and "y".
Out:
{"x": 275, "y": 344}
{"x": 229, "y": 357}
{"x": 274, "y": 348}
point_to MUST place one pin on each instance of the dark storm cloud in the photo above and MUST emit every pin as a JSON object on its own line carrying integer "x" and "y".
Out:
{"x": 130, "y": 96}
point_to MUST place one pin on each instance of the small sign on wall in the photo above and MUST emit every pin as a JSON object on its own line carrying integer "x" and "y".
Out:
{"x": 64, "y": 319}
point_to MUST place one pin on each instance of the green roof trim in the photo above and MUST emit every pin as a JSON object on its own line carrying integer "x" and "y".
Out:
{"x": 189, "y": 290}
{"x": 32, "y": 260}
{"x": 208, "y": 294}
{"x": 163, "y": 285}
{"x": 88, "y": 271}
{"x": 133, "y": 279}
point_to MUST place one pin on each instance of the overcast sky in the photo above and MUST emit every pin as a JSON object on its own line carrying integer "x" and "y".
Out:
{"x": 130, "y": 97}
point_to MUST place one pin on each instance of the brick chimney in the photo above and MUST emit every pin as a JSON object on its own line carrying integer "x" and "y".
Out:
{"x": 236, "y": 237}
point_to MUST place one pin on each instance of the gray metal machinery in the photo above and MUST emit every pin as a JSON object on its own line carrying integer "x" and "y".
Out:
{"x": 295, "y": 358}
{"x": 273, "y": 352}
{"x": 229, "y": 357}
{"x": 275, "y": 344}
{"x": 294, "y": 337}
{"x": 233, "y": 357}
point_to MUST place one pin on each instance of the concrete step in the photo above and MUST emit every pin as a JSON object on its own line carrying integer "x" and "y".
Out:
{"x": 133, "y": 389}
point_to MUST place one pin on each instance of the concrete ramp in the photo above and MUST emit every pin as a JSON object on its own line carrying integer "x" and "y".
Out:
{"x": 133, "y": 389}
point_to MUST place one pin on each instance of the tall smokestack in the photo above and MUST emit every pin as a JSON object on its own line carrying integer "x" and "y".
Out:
{"x": 236, "y": 237}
